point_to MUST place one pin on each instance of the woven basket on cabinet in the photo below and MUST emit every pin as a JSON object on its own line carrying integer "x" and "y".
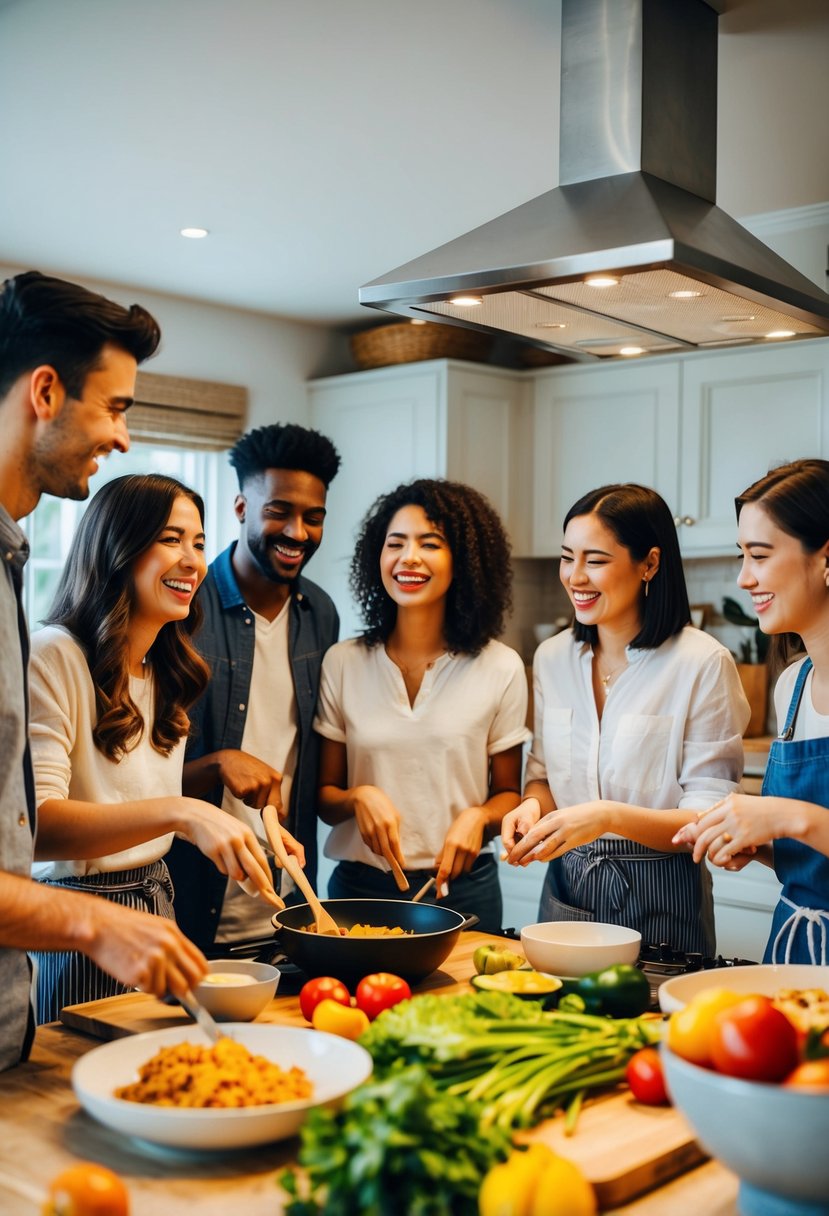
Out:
{"x": 404, "y": 342}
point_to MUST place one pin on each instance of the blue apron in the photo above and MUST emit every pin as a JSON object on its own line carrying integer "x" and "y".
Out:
{"x": 799, "y": 769}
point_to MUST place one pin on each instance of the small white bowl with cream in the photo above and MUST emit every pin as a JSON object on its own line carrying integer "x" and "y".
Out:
{"x": 236, "y": 990}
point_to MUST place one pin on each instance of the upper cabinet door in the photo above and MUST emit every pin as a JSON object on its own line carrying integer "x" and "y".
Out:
{"x": 743, "y": 413}
{"x": 599, "y": 425}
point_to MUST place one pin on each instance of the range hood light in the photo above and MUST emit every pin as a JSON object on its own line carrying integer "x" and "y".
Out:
{"x": 634, "y": 210}
{"x": 781, "y": 333}
{"x": 417, "y": 321}
{"x": 631, "y": 350}
{"x": 550, "y": 325}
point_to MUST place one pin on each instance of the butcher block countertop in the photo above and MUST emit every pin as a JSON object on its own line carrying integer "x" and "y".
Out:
{"x": 618, "y": 1143}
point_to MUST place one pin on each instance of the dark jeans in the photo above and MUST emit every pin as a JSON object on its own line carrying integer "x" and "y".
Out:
{"x": 477, "y": 893}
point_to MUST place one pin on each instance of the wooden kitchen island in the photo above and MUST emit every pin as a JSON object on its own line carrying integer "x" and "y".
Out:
{"x": 43, "y": 1129}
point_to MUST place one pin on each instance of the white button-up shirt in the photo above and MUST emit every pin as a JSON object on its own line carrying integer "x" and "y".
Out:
{"x": 670, "y": 733}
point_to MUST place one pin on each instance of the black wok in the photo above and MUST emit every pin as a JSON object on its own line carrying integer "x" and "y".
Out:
{"x": 412, "y": 955}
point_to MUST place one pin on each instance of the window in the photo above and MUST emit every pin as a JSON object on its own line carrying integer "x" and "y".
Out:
{"x": 51, "y": 526}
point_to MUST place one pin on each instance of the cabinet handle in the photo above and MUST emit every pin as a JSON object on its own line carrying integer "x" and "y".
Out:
{"x": 688, "y": 520}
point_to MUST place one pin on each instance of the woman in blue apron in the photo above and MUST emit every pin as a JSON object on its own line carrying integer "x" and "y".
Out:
{"x": 784, "y": 538}
{"x": 638, "y": 725}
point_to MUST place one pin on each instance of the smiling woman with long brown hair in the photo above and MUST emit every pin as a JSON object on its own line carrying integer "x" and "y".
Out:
{"x": 113, "y": 675}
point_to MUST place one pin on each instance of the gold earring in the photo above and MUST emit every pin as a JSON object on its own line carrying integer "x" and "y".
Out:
{"x": 645, "y": 581}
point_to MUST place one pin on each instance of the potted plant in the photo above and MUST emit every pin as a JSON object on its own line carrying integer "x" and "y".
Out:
{"x": 751, "y": 665}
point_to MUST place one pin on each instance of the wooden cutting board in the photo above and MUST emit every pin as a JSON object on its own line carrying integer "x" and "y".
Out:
{"x": 622, "y": 1147}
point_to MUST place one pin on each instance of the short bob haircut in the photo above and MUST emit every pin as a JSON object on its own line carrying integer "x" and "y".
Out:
{"x": 480, "y": 594}
{"x": 95, "y": 600}
{"x": 795, "y": 496}
{"x": 284, "y": 445}
{"x": 44, "y": 320}
{"x": 640, "y": 520}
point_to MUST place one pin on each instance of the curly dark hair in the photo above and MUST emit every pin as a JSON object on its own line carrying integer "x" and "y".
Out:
{"x": 94, "y": 602}
{"x": 284, "y": 445}
{"x": 48, "y": 320}
{"x": 480, "y": 595}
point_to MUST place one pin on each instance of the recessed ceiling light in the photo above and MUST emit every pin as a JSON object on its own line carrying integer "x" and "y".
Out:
{"x": 195, "y": 234}
{"x": 632, "y": 350}
{"x": 781, "y": 333}
{"x": 684, "y": 295}
{"x": 601, "y": 280}
{"x": 466, "y": 301}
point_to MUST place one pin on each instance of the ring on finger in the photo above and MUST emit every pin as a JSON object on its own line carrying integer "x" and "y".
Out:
{"x": 727, "y": 837}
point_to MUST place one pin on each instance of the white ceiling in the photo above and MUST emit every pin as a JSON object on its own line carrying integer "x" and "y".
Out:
{"x": 324, "y": 142}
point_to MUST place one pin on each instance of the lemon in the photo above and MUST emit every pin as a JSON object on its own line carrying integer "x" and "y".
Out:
{"x": 508, "y": 1188}
{"x": 561, "y": 1189}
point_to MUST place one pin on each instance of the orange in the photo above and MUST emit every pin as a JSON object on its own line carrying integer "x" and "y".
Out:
{"x": 87, "y": 1190}
{"x": 689, "y": 1029}
{"x": 344, "y": 1020}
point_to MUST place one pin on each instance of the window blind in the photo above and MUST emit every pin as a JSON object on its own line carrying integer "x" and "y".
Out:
{"x": 177, "y": 410}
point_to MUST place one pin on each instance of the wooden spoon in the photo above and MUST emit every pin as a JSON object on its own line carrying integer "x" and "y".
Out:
{"x": 323, "y": 920}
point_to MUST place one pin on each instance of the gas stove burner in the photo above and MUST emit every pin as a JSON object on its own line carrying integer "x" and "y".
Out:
{"x": 661, "y": 962}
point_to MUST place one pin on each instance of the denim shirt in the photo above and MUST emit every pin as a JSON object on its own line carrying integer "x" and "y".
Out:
{"x": 226, "y": 641}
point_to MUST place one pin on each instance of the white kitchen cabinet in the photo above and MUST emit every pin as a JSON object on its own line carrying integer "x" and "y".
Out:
{"x": 440, "y": 418}
{"x": 699, "y": 428}
{"x": 596, "y": 425}
{"x": 743, "y": 412}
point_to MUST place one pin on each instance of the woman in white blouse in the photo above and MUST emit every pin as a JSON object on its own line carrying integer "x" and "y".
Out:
{"x": 423, "y": 717}
{"x": 111, "y": 677}
{"x": 638, "y": 720}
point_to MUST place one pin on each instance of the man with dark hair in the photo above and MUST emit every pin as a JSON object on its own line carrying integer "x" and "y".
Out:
{"x": 266, "y": 629}
{"x": 68, "y": 360}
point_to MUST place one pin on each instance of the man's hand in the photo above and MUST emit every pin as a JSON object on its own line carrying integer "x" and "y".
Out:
{"x": 142, "y": 950}
{"x": 251, "y": 780}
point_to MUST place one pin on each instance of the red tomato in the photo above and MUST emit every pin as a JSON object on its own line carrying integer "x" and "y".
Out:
{"x": 645, "y": 1077}
{"x": 812, "y": 1074}
{"x": 323, "y": 988}
{"x": 380, "y": 991}
{"x": 754, "y": 1040}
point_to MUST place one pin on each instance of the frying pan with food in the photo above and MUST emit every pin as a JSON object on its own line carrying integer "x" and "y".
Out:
{"x": 429, "y": 934}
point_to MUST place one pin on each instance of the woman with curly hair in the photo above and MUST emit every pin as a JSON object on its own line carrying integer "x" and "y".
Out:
{"x": 423, "y": 716}
{"x": 112, "y": 677}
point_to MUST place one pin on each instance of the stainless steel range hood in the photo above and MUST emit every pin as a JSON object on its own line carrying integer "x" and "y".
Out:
{"x": 635, "y": 206}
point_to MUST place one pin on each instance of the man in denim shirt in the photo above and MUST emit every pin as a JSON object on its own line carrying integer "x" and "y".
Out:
{"x": 266, "y": 629}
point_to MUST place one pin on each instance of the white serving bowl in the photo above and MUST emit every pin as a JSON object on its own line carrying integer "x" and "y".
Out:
{"x": 577, "y": 947}
{"x": 241, "y": 1001}
{"x": 762, "y": 979}
{"x": 334, "y": 1066}
{"x": 774, "y": 1139}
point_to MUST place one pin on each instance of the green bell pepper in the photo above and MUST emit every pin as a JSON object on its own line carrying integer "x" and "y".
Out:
{"x": 621, "y": 991}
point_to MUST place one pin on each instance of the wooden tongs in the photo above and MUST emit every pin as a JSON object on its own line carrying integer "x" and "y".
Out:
{"x": 323, "y": 920}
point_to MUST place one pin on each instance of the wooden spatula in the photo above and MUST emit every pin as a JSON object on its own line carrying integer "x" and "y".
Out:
{"x": 323, "y": 920}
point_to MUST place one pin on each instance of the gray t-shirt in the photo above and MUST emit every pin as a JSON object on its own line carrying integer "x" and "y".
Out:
{"x": 15, "y": 826}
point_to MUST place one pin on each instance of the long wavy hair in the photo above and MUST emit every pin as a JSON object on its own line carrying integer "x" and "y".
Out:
{"x": 641, "y": 520}
{"x": 795, "y": 496}
{"x": 480, "y": 594}
{"x": 95, "y": 601}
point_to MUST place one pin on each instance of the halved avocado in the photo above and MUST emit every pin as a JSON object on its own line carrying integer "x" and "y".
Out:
{"x": 530, "y": 985}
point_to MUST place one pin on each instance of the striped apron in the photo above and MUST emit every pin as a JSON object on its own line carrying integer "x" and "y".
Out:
{"x": 665, "y": 896}
{"x": 67, "y": 977}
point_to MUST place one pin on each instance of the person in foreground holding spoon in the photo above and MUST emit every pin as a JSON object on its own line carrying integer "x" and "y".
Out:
{"x": 112, "y": 677}
{"x": 783, "y": 522}
{"x": 638, "y": 719}
{"x": 423, "y": 716}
